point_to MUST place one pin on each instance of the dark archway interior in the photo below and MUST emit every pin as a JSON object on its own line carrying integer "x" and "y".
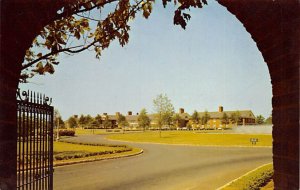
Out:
{"x": 273, "y": 25}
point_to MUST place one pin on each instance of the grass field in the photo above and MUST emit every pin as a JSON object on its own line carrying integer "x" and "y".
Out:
{"x": 269, "y": 186}
{"x": 191, "y": 138}
{"x": 253, "y": 180}
{"x": 66, "y": 151}
{"x": 63, "y": 147}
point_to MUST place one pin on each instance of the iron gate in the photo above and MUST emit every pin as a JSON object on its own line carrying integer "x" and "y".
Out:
{"x": 35, "y": 141}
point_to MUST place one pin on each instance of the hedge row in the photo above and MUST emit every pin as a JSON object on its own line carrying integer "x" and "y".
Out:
{"x": 254, "y": 180}
{"x": 96, "y": 144}
{"x": 66, "y": 132}
{"x": 71, "y": 155}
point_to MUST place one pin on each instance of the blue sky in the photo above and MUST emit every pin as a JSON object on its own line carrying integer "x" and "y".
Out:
{"x": 213, "y": 62}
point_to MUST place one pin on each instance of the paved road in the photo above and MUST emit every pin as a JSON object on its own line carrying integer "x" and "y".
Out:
{"x": 162, "y": 167}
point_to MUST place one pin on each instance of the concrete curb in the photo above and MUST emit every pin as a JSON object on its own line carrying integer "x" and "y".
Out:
{"x": 229, "y": 183}
{"x": 237, "y": 146}
{"x": 97, "y": 159}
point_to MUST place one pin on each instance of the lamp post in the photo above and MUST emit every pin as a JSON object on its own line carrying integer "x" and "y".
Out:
{"x": 57, "y": 116}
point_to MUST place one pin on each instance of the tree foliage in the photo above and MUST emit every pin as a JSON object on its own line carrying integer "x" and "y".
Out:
{"x": 235, "y": 117}
{"x": 176, "y": 120}
{"x": 72, "y": 122}
{"x": 98, "y": 120}
{"x": 195, "y": 117}
{"x": 205, "y": 118}
{"x": 107, "y": 123}
{"x": 225, "y": 118}
{"x": 143, "y": 119}
{"x": 164, "y": 110}
{"x": 269, "y": 120}
{"x": 58, "y": 120}
{"x": 122, "y": 122}
{"x": 85, "y": 120}
{"x": 260, "y": 119}
{"x": 91, "y": 25}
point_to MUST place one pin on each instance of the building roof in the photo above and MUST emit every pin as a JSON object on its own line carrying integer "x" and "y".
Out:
{"x": 131, "y": 117}
{"x": 217, "y": 115}
{"x": 184, "y": 116}
{"x": 110, "y": 117}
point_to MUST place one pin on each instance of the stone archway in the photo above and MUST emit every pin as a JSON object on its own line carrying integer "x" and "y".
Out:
{"x": 273, "y": 25}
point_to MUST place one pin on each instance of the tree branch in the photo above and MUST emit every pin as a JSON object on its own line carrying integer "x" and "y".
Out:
{"x": 56, "y": 52}
{"x": 70, "y": 49}
{"x": 77, "y": 10}
{"x": 88, "y": 17}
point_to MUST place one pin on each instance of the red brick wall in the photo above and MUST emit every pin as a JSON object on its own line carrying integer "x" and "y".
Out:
{"x": 274, "y": 26}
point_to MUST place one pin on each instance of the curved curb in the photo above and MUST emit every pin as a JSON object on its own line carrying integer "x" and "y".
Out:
{"x": 226, "y": 146}
{"x": 97, "y": 159}
{"x": 229, "y": 183}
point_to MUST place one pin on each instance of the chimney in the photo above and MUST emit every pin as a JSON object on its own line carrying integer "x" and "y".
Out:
{"x": 181, "y": 110}
{"x": 129, "y": 112}
{"x": 117, "y": 113}
{"x": 220, "y": 108}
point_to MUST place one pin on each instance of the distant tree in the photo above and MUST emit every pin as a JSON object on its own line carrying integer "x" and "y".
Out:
{"x": 85, "y": 121}
{"x": 94, "y": 124}
{"x": 225, "y": 118}
{"x": 88, "y": 119}
{"x": 205, "y": 118}
{"x": 164, "y": 110}
{"x": 72, "y": 122}
{"x": 122, "y": 122}
{"x": 269, "y": 120}
{"x": 81, "y": 120}
{"x": 107, "y": 123}
{"x": 260, "y": 119}
{"x": 61, "y": 123}
{"x": 189, "y": 125}
{"x": 58, "y": 120}
{"x": 235, "y": 117}
{"x": 98, "y": 120}
{"x": 143, "y": 119}
{"x": 195, "y": 117}
{"x": 177, "y": 120}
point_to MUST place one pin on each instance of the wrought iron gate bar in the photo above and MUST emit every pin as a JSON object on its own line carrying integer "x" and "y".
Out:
{"x": 35, "y": 146}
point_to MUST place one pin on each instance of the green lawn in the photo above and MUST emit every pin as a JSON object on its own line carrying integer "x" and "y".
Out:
{"x": 63, "y": 146}
{"x": 269, "y": 186}
{"x": 254, "y": 180}
{"x": 192, "y": 138}
{"x": 66, "y": 151}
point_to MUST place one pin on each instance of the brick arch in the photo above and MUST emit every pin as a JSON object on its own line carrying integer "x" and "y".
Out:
{"x": 273, "y": 25}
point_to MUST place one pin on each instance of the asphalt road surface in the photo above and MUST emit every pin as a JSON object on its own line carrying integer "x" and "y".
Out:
{"x": 162, "y": 167}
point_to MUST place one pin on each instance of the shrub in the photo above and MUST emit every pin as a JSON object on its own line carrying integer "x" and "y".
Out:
{"x": 254, "y": 180}
{"x": 66, "y": 132}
